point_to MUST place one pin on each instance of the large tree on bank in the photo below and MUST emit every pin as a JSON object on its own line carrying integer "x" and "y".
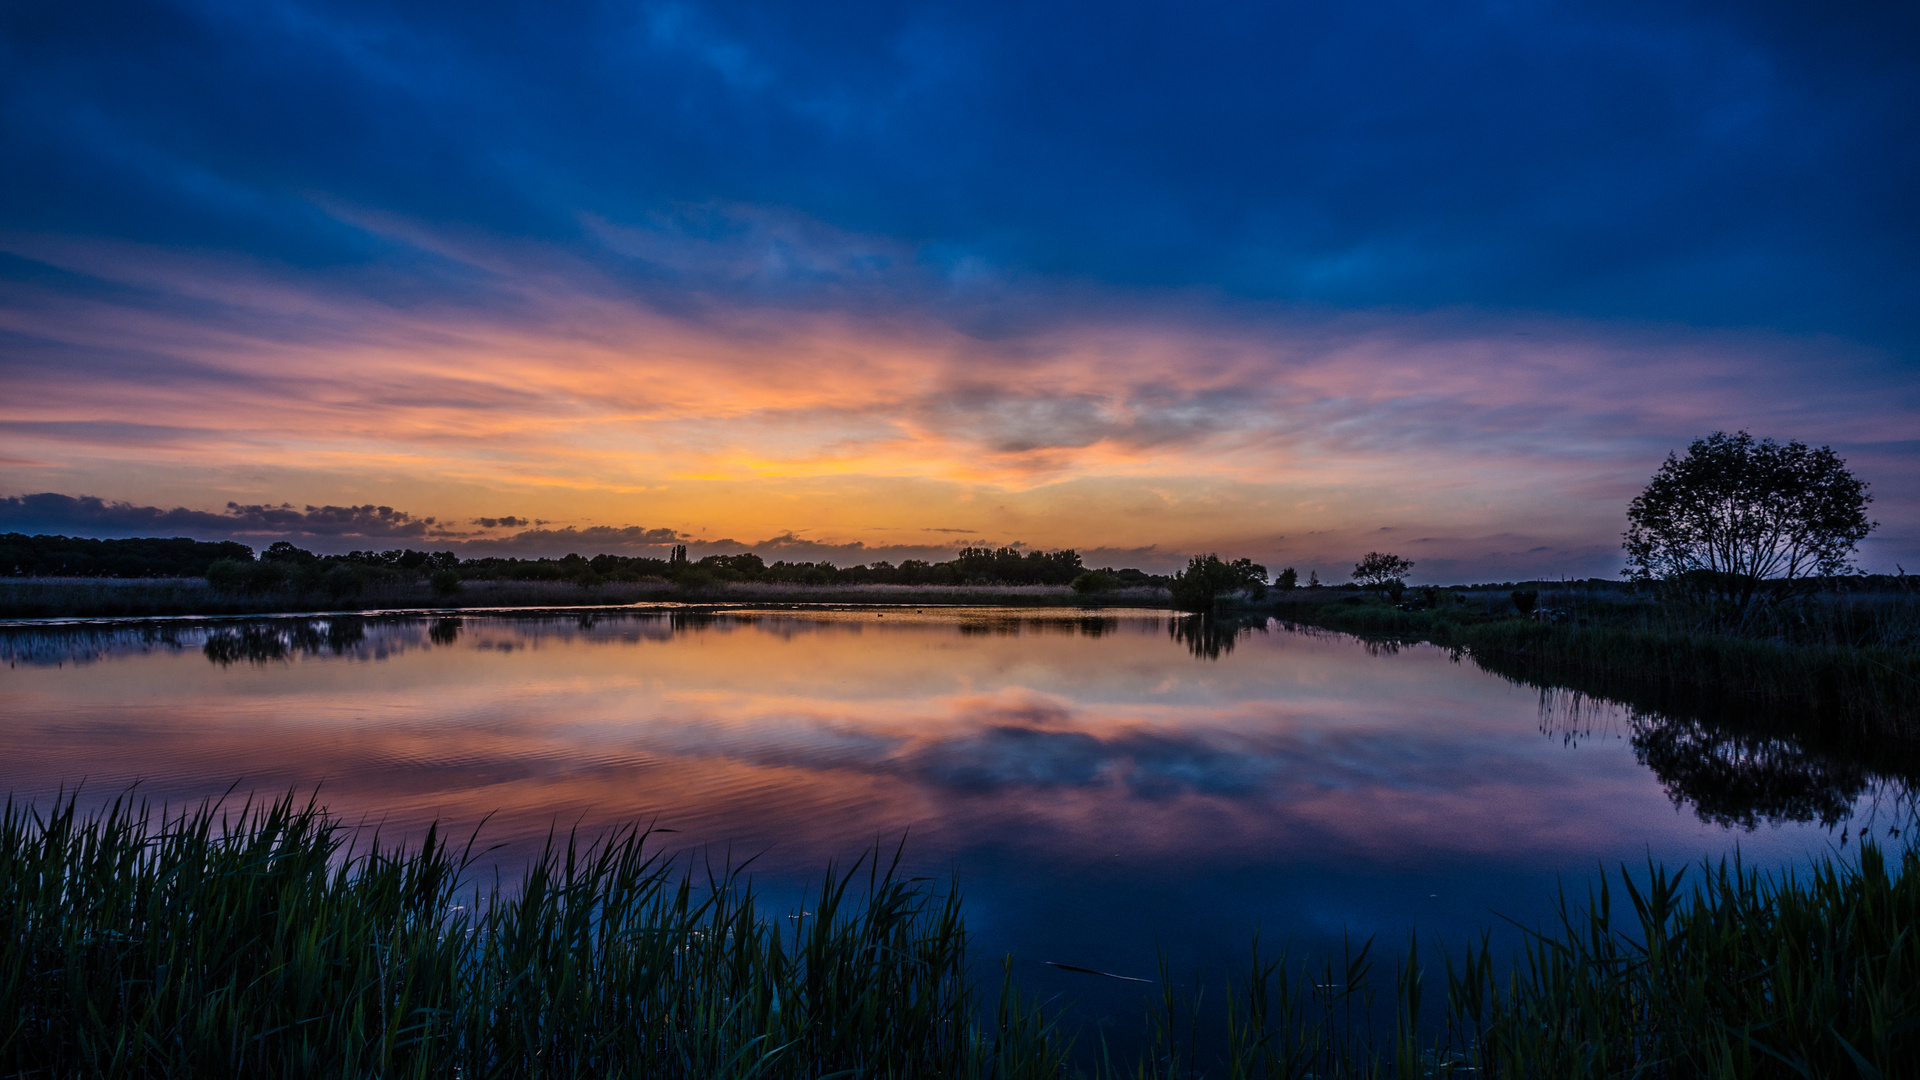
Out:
{"x": 1737, "y": 513}
{"x": 1207, "y": 578}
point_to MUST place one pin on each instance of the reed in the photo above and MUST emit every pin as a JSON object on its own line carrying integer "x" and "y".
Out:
{"x": 1738, "y": 974}
{"x": 1741, "y": 974}
{"x": 261, "y": 942}
{"x": 257, "y": 942}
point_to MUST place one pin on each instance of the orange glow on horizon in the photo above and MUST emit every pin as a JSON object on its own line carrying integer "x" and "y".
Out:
{"x": 1163, "y": 430}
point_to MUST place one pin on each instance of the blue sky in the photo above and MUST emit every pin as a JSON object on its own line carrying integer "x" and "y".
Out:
{"x": 210, "y": 210}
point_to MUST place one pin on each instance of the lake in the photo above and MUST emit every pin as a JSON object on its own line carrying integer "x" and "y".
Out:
{"x": 1101, "y": 784}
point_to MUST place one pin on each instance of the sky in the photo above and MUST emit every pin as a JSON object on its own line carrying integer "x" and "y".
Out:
{"x": 848, "y": 281}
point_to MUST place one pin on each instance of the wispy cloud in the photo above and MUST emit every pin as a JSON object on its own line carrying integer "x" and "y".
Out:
{"x": 1170, "y": 425}
{"x": 86, "y": 515}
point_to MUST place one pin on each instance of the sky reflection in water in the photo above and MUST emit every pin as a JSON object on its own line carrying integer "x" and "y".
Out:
{"x": 1097, "y": 783}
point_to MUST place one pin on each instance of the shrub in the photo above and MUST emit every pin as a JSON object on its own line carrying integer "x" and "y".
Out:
{"x": 1206, "y": 579}
{"x": 237, "y": 576}
{"x": 343, "y": 580}
{"x": 1095, "y": 581}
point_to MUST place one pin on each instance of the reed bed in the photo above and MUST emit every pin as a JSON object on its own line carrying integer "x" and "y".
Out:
{"x": 1846, "y": 667}
{"x": 260, "y": 942}
{"x": 1738, "y": 974}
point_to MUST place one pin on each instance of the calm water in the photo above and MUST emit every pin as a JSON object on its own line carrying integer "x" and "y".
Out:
{"x": 1098, "y": 784}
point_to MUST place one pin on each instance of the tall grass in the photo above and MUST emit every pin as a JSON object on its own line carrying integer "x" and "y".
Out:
{"x": 258, "y": 942}
{"x": 1737, "y": 974}
{"x": 1741, "y": 974}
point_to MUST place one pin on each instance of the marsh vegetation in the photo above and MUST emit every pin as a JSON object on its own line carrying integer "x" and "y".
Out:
{"x": 270, "y": 939}
{"x": 1842, "y": 663}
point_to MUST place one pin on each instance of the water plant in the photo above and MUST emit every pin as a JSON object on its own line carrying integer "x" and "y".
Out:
{"x": 258, "y": 941}
{"x": 261, "y": 941}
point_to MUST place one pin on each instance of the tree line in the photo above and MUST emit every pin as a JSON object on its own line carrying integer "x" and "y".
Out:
{"x": 970, "y": 566}
{"x": 1734, "y": 524}
{"x": 283, "y": 564}
{"x": 74, "y": 556}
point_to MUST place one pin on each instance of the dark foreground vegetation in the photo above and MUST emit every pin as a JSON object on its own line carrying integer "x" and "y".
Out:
{"x": 262, "y": 943}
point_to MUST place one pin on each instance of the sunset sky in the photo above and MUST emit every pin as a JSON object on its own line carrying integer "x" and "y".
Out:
{"x": 1289, "y": 281}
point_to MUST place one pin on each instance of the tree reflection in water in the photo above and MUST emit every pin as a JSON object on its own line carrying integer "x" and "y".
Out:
{"x": 1734, "y": 768}
{"x": 1732, "y": 774}
{"x": 1735, "y": 778}
{"x": 1209, "y": 637}
{"x": 263, "y": 642}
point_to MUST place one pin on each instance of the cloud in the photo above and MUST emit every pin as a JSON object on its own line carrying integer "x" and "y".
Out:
{"x": 86, "y": 515}
{"x": 336, "y": 528}
{"x": 1174, "y": 424}
{"x": 1709, "y": 164}
{"x": 629, "y": 540}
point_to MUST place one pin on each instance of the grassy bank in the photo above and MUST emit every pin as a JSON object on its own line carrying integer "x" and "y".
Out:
{"x": 1844, "y": 667}
{"x": 49, "y": 598}
{"x": 258, "y": 943}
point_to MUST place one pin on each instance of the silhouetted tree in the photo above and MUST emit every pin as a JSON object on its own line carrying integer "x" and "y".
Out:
{"x": 1737, "y": 512}
{"x": 1380, "y": 568}
{"x": 1206, "y": 579}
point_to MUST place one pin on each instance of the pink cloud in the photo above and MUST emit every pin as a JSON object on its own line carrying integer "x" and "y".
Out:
{"x": 1239, "y": 425}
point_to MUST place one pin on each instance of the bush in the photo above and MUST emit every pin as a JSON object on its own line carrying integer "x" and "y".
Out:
{"x": 236, "y": 576}
{"x": 343, "y": 580}
{"x": 229, "y": 575}
{"x": 445, "y": 582}
{"x": 1524, "y": 600}
{"x": 1095, "y": 581}
{"x": 695, "y": 581}
{"x": 1206, "y": 579}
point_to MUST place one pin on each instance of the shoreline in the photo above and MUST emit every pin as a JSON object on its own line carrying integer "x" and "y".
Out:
{"x": 65, "y": 601}
{"x": 1852, "y": 694}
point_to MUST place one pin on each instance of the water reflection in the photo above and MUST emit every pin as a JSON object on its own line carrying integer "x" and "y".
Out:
{"x": 1019, "y": 739}
{"x": 1101, "y": 783}
{"x": 1209, "y": 637}
{"x": 277, "y": 640}
{"x": 1739, "y": 778}
{"x": 1731, "y": 773}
